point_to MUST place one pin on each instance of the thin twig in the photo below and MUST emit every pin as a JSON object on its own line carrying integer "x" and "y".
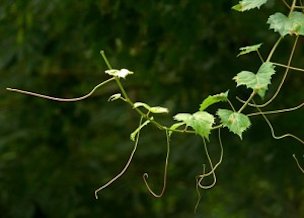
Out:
{"x": 60, "y": 99}
{"x": 145, "y": 175}
{"x": 126, "y": 165}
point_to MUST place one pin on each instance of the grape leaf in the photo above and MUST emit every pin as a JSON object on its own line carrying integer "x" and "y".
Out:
{"x": 234, "y": 121}
{"x": 212, "y": 99}
{"x": 248, "y": 49}
{"x": 119, "y": 73}
{"x": 294, "y": 24}
{"x": 200, "y": 121}
{"x": 258, "y": 82}
{"x": 245, "y": 5}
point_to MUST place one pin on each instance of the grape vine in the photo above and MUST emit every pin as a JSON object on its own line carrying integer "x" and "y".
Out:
{"x": 202, "y": 123}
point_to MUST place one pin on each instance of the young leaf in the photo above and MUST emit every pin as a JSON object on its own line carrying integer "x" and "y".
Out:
{"x": 114, "y": 97}
{"x": 155, "y": 110}
{"x": 133, "y": 134}
{"x": 212, "y": 99}
{"x": 234, "y": 121}
{"x": 119, "y": 73}
{"x": 245, "y": 5}
{"x": 141, "y": 104}
{"x": 174, "y": 127}
{"x": 258, "y": 82}
{"x": 200, "y": 121}
{"x": 159, "y": 110}
{"x": 294, "y": 24}
{"x": 248, "y": 49}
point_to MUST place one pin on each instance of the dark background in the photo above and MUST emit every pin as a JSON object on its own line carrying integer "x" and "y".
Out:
{"x": 54, "y": 155}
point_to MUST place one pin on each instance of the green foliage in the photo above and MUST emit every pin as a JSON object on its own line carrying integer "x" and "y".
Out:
{"x": 200, "y": 121}
{"x": 212, "y": 99}
{"x": 234, "y": 121}
{"x": 258, "y": 82}
{"x": 293, "y": 24}
{"x": 249, "y": 49}
{"x": 245, "y": 5}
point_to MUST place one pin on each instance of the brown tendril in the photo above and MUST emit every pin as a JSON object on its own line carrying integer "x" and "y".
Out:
{"x": 213, "y": 168}
{"x": 145, "y": 175}
{"x": 61, "y": 99}
{"x": 294, "y": 156}
{"x": 126, "y": 165}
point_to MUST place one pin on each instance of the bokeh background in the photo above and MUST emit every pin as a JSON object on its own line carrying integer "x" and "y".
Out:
{"x": 54, "y": 155}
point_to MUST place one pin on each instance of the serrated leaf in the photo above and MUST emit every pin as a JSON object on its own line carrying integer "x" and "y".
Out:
{"x": 200, "y": 121}
{"x": 114, "y": 97}
{"x": 249, "y": 49}
{"x": 294, "y": 24}
{"x": 258, "y": 82}
{"x": 234, "y": 121}
{"x": 248, "y": 5}
{"x": 174, "y": 127}
{"x": 119, "y": 73}
{"x": 155, "y": 110}
{"x": 134, "y": 133}
{"x": 212, "y": 99}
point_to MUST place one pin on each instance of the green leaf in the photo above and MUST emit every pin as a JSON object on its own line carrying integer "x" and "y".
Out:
{"x": 258, "y": 82}
{"x": 119, "y": 73}
{"x": 200, "y": 121}
{"x": 212, "y": 99}
{"x": 174, "y": 127}
{"x": 294, "y": 24}
{"x": 234, "y": 121}
{"x": 134, "y": 133}
{"x": 155, "y": 110}
{"x": 248, "y": 49}
{"x": 248, "y": 5}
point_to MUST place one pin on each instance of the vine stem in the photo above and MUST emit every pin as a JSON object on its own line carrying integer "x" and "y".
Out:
{"x": 247, "y": 102}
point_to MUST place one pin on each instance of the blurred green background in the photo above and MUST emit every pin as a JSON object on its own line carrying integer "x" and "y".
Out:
{"x": 54, "y": 155}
